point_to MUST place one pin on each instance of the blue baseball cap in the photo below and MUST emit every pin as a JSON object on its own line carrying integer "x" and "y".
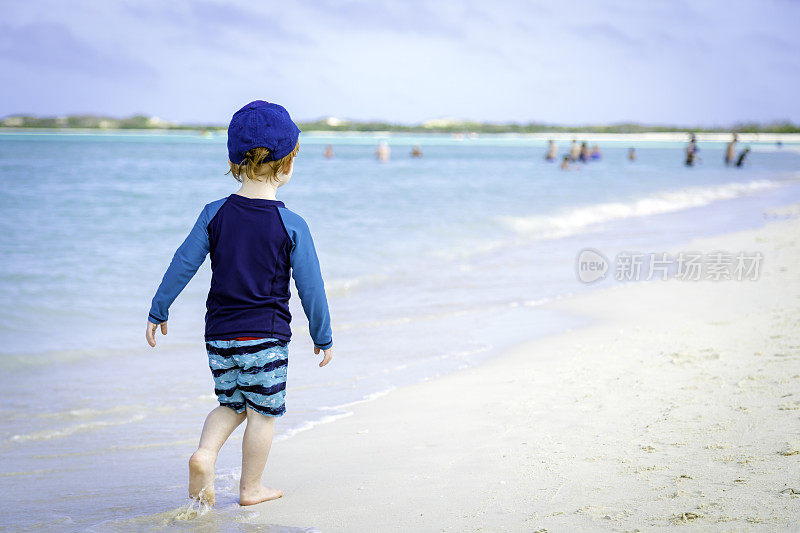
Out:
{"x": 261, "y": 123}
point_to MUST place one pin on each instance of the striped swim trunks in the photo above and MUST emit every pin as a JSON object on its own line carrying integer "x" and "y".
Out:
{"x": 250, "y": 373}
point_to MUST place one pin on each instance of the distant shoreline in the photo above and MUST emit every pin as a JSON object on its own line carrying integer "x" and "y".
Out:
{"x": 652, "y": 136}
{"x": 442, "y": 125}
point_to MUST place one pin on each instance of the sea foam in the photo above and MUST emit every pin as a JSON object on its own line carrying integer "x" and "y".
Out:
{"x": 576, "y": 219}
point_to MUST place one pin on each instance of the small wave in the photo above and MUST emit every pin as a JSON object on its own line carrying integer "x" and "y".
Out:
{"x": 535, "y": 303}
{"x": 341, "y": 412}
{"x": 366, "y": 398}
{"x": 311, "y": 424}
{"x": 34, "y": 472}
{"x": 88, "y": 412}
{"x": 194, "y": 516}
{"x": 71, "y": 430}
{"x": 344, "y": 286}
{"x": 573, "y": 220}
{"x": 190, "y": 511}
{"x": 420, "y": 317}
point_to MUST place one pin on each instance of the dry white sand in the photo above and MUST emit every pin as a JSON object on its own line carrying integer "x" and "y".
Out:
{"x": 679, "y": 408}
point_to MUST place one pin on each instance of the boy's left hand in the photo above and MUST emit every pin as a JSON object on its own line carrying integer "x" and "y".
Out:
{"x": 151, "y": 332}
{"x": 328, "y": 355}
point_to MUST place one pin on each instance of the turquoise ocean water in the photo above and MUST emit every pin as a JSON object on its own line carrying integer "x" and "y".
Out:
{"x": 430, "y": 264}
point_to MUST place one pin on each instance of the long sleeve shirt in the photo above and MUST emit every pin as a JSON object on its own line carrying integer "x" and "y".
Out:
{"x": 255, "y": 245}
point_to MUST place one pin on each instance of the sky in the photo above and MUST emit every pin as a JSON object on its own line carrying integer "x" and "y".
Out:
{"x": 676, "y": 62}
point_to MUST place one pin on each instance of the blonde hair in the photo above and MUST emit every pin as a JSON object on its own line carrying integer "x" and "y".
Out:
{"x": 254, "y": 166}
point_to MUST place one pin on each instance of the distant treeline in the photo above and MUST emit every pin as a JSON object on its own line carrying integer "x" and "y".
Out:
{"x": 434, "y": 126}
{"x": 89, "y": 121}
{"x": 535, "y": 127}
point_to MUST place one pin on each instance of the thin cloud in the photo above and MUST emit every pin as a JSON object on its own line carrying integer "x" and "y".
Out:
{"x": 397, "y": 17}
{"x": 52, "y": 46}
{"x": 212, "y": 23}
{"x": 607, "y": 32}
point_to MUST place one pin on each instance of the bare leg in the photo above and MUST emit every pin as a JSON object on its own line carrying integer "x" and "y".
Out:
{"x": 219, "y": 425}
{"x": 255, "y": 450}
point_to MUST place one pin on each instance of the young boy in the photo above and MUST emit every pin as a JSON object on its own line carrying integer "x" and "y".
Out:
{"x": 254, "y": 242}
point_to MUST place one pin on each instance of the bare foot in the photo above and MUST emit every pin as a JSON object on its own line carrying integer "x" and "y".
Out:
{"x": 258, "y": 495}
{"x": 201, "y": 477}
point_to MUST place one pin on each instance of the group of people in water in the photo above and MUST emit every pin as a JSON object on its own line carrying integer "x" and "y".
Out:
{"x": 730, "y": 152}
{"x": 580, "y": 152}
{"x": 577, "y": 152}
{"x": 383, "y": 153}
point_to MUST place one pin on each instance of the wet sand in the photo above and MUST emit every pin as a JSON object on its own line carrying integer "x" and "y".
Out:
{"x": 679, "y": 406}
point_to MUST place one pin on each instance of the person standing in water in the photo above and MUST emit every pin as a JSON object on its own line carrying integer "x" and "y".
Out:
{"x": 584, "y": 152}
{"x": 574, "y": 150}
{"x": 329, "y": 152}
{"x": 552, "y": 151}
{"x": 742, "y": 155}
{"x": 383, "y": 153}
{"x": 596, "y": 153}
{"x": 631, "y": 154}
{"x": 730, "y": 150}
{"x": 691, "y": 151}
{"x": 565, "y": 163}
{"x": 416, "y": 151}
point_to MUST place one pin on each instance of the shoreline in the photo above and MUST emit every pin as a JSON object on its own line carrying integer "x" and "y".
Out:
{"x": 656, "y": 136}
{"x": 557, "y": 444}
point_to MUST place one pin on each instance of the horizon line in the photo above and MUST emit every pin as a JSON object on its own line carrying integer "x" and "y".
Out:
{"x": 334, "y": 122}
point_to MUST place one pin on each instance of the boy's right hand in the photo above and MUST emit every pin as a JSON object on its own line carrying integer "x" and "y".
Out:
{"x": 328, "y": 354}
{"x": 151, "y": 332}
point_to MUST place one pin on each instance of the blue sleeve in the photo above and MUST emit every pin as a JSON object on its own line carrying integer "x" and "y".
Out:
{"x": 308, "y": 279}
{"x": 187, "y": 259}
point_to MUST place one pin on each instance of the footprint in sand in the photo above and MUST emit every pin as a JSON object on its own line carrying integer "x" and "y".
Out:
{"x": 790, "y": 449}
{"x": 750, "y": 380}
{"x": 685, "y": 517}
{"x": 679, "y": 358}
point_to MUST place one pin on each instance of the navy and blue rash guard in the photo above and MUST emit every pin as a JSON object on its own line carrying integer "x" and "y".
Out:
{"x": 254, "y": 245}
